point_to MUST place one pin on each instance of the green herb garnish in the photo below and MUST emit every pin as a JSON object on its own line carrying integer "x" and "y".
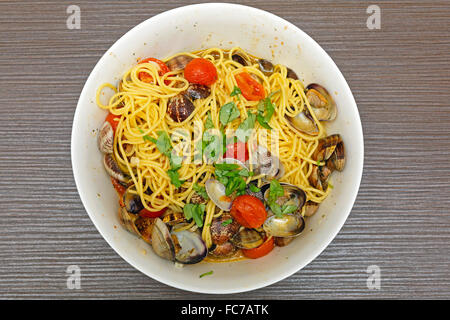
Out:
{"x": 201, "y": 191}
{"x": 206, "y": 274}
{"x": 236, "y": 92}
{"x": 146, "y": 137}
{"x": 254, "y": 188}
{"x": 243, "y": 132}
{"x": 175, "y": 178}
{"x": 276, "y": 191}
{"x": 227, "y": 222}
{"x": 196, "y": 212}
{"x": 265, "y": 112}
{"x": 228, "y": 112}
{"x": 209, "y": 124}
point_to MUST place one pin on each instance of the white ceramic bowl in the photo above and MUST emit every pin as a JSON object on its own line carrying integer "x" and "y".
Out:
{"x": 192, "y": 28}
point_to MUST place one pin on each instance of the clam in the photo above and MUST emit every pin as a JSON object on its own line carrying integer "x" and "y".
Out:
{"x": 223, "y": 250}
{"x": 310, "y": 208}
{"x": 106, "y": 138}
{"x": 326, "y": 147}
{"x": 172, "y": 218}
{"x": 179, "y": 62}
{"x": 180, "y": 107}
{"x": 291, "y": 74}
{"x": 304, "y": 123}
{"x": 289, "y": 225}
{"x": 247, "y": 239}
{"x": 321, "y": 102}
{"x": 198, "y": 91}
{"x": 267, "y": 163}
{"x": 128, "y": 221}
{"x": 265, "y": 66}
{"x": 240, "y": 58}
{"x": 258, "y": 194}
{"x": 112, "y": 168}
{"x": 132, "y": 202}
{"x": 315, "y": 179}
{"x": 293, "y": 196}
{"x": 221, "y": 233}
{"x": 145, "y": 227}
{"x": 162, "y": 242}
{"x": 189, "y": 246}
{"x": 281, "y": 242}
{"x": 337, "y": 158}
{"x": 216, "y": 192}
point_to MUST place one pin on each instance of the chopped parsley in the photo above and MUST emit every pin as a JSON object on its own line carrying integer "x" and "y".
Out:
{"x": 265, "y": 112}
{"x": 236, "y": 92}
{"x": 206, "y": 274}
{"x": 228, "y": 112}
{"x": 276, "y": 191}
{"x": 201, "y": 191}
{"x": 227, "y": 222}
{"x": 196, "y": 212}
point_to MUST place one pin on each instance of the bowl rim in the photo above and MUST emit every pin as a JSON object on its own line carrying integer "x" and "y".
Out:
{"x": 262, "y": 283}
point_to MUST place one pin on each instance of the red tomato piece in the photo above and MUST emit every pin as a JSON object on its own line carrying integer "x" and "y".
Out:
{"x": 113, "y": 120}
{"x": 238, "y": 151}
{"x": 260, "y": 251}
{"x": 163, "y": 68}
{"x": 248, "y": 211}
{"x": 200, "y": 71}
{"x": 251, "y": 89}
{"x": 144, "y": 213}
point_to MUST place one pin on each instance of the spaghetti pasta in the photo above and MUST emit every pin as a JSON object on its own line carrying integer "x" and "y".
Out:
{"x": 142, "y": 112}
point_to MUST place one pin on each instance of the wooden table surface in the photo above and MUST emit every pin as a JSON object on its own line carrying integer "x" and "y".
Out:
{"x": 400, "y": 222}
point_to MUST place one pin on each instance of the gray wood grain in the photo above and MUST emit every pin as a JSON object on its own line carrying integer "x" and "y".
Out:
{"x": 399, "y": 76}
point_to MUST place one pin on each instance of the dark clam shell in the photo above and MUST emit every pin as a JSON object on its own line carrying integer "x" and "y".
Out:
{"x": 223, "y": 250}
{"x": 198, "y": 91}
{"x": 180, "y": 108}
{"x": 291, "y": 74}
{"x": 265, "y": 66}
{"x": 239, "y": 59}
{"x": 222, "y": 233}
{"x": 178, "y": 62}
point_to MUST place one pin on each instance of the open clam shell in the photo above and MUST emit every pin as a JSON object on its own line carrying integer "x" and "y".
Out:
{"x": 162, "y": 242}
{"x": 267, "y": 164}
{"x": 189, "y": 246}
{"x": 247, "y": 239}
{"x": 216, "y": 192}
{"x": 289, "y": 225}
{"x": 321, "y": 102}
{"x": 112, "y": 168}
{"x": 106, "y": 138}
{"x": 293, "y": 195}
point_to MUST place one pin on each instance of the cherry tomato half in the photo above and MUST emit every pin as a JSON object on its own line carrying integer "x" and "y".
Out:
{"x": 120, "y": 189}
{"x": 113, "y": 120}
{"x": 200, "y": 71}
{"x": 260, "y": 251}
{"x": 238, "y": 151}
{"x": 248, "y": 211}
{"x": 144, "y": 213}
{"x": 251, "y": 89}
{"x": 163, "y": 68}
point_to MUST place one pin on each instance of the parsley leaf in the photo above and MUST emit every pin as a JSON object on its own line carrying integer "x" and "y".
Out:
{"x": 201, "y": 191}
{"x": 266, "y": 110}
{"x": 228, "y": 112}
{"x": 253, "y": 188}
{"x": 194, "y": 211}
{"x": 163, "y": 143}
{"x": 209, "y": 124}
{"x": 236, "y": 92}
{"x": 243, "y": 132}
{"x": 175, "y": 178}
{"x": 206, "y": 274}
{"x": 227, "y": 222}
{"x": 146, "y": 137}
